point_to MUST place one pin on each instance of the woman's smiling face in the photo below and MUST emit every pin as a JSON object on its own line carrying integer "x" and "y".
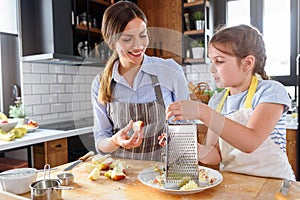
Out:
{"x": 132, "y": 43}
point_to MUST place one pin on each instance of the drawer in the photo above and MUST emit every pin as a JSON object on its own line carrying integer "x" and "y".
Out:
{"x": 57, "y": 145}
{"x": 53, "y": 152}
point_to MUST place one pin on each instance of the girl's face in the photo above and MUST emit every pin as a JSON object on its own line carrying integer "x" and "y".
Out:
{"x": 225, "y": 69}
{"x": 132, "y": 43}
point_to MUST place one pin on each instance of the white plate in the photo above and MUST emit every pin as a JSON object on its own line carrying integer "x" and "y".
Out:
{"x": 148, "y": 175}
{"x": 30, "y": 128}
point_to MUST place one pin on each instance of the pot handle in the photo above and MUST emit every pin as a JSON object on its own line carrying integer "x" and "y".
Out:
{"x": 64, "y": 188}
{"x": 47, "y": 166}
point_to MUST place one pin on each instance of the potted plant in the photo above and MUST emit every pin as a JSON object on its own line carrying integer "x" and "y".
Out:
{"x": 199, "y": 20}
{"x": 18, "y": 111}
{"x": 197, "y": 48}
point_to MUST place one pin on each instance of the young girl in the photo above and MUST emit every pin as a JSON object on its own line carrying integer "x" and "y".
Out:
{"x": 246, "y": 122}
{"x": 132, "y": 87}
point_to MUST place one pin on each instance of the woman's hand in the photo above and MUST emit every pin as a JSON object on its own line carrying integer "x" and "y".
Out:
{"x": 183, "y": 110}
{"x": 121, "y": 138}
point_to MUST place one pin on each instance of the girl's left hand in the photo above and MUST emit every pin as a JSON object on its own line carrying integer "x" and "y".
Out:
{"x": 183, "y": 110}
{"x": 162, "y": 139}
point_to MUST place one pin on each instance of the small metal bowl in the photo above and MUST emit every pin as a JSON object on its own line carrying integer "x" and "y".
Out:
{"x": 66, "y": 178}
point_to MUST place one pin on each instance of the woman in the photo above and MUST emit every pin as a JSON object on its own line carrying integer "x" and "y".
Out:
{"x": 132, "y": 87}
{"x": 250, "y": 139}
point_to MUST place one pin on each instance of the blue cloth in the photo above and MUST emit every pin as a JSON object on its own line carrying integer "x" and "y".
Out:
{"x": 170, "y": 76}
{"x": 268, "y": 91}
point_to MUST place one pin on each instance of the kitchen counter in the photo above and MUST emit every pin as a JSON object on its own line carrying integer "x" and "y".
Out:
{"x": 234, "y": 185}
{"x": 41, "y": 135}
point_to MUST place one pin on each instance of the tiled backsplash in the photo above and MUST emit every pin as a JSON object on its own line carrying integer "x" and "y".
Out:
{"x": 55, "y": 92}
{"x": 199, "y": 73}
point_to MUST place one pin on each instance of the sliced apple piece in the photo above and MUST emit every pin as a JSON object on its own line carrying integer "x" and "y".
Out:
{"x": 95, "y": 174}
{"x": 117, "y": 174}
{"x": 121, "y": 166}
{"x": 138, "y": 125}
{"x": 98, "y": 159}
{"x": 108, "y": 173}
{"x": 106, "y": 163}
{"x": 89, "y": 167}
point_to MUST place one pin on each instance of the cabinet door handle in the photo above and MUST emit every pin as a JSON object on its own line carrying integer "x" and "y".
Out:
{"x": 72, "y": 18}
{"x": 58, "y": 146}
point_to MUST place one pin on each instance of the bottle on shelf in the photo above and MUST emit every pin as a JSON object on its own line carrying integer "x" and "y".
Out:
{"x": 294, "y": 113}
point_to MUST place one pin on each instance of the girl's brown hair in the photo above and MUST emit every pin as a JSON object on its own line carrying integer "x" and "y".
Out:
{"x": 241, "y": 41}
{"x": 115, "y": 19}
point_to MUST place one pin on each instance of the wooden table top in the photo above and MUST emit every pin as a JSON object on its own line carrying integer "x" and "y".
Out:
{"x": 234, "y": 186}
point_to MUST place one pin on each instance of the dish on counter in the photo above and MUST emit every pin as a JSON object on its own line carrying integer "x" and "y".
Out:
{"x": 17, "y": 181}
{"x": 8, "y": 126}
{"x": 30, "y": 128}
{"x": 148, "y": 175}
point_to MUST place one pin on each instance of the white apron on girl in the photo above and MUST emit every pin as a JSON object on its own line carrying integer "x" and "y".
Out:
{"x": 268, "y": 160}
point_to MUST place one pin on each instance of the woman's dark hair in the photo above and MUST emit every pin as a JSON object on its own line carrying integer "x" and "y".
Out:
{"x": 241, "y": 41}
{"x": 115, "y": 19}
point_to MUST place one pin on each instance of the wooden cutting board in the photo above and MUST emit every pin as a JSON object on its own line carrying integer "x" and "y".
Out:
{"x": 233, "y": 185}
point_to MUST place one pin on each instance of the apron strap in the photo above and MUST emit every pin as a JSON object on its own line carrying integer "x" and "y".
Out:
{"x": 248, "y": 101}
{"x": 221, "y": 104}
{"x": 157, "y": 90}
{"x": 251, "y": 92}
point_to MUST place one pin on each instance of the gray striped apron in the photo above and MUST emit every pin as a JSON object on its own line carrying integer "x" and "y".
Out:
{"x": 152, "y": 114}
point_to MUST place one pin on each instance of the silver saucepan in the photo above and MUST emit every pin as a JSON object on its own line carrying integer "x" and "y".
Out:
{"x": 47, "y": 189}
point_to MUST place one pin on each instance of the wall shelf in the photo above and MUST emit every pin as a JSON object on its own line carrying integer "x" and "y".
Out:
{"x": 194, "y": 32}
{"x": 191, "y": 34}
{"x": 85, "y": 28}
{"x": 194, "y": 60}
{"x": 196, "y": 3}
{"x": 103, "y": 2}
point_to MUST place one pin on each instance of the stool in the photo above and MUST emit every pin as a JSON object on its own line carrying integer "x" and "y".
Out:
{"x": 9, "y": 163}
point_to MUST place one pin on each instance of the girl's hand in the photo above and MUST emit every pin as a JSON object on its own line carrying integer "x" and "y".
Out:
{"x": 121, "y": 138}
{"x": 183, "y": 110}
{"x": 162, "y": 139}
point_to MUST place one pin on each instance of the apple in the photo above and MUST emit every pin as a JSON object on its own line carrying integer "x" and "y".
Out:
{"x": 108, "y": 173}
{"x": 95, "y": 174}
{"x": 106, "y": 163}
{"x": 89, "y": 167}
{"x": 98, "y": 159}
{"x": 138, "y": 125}
{"x": 117, "y": 174}
{"x": 32, "y": 123}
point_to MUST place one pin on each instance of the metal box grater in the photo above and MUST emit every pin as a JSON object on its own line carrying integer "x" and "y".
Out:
{"x": 181, "y": 161}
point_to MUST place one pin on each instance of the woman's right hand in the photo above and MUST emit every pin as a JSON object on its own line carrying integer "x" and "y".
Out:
{"x": 121, "y": 138}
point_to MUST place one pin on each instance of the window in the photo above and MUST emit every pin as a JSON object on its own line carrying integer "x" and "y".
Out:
{"x": 277, "y": 32}
{"x": 276, "y": 27}
{"x": 8, "y": 16}
{"x": 277, "y": 20}
{"x": 238, "y": 12}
